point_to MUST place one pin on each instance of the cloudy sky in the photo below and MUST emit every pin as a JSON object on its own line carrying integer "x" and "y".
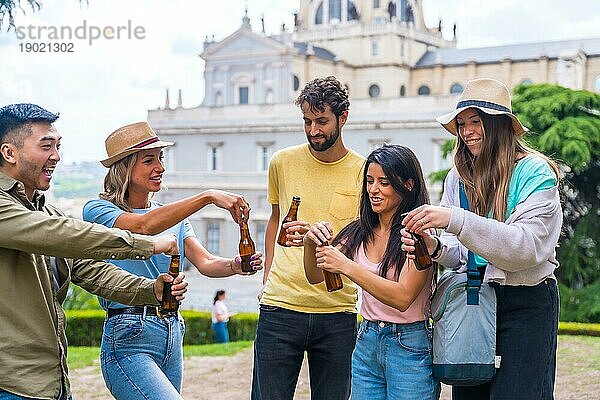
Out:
{"x": 109, "y": 83}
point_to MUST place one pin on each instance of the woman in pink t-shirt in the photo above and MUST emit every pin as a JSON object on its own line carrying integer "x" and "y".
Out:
{"x": 392, "y": 358}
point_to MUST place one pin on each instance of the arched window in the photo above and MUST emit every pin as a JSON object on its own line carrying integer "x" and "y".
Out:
{"x": 402, "y": 91}
{"x": 456, "y": 88}
{"x": 424, "y": 91}
{"x": 332, "y": 10}
{"x": 597, "y": 84}
{"x": 335, "y": 10}
{"x": 352, "y": 11}
{"x": 319, "y": 15}
{"x": 526, "y": 81}
{"x": 296, "y": 83}
{"x": 374, "y": 91}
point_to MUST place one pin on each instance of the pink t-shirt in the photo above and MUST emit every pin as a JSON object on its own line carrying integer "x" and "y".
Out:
{"x": 374, "y": 310}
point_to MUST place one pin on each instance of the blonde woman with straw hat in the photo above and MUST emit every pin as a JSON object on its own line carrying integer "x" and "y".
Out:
{"x": 141, "y": 351}
{"x": 511, "y": 225}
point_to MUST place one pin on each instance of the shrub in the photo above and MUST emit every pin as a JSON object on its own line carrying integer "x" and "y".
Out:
{"x": 578, "y": 328}
{"x": 580, "y": 305}
{"x": 84, "y": 327}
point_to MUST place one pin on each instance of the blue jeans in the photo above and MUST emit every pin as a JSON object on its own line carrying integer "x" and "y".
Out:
{"x": 220, "y": 332}
{"x": 4, "y": 395}
{"x": 526, "y": 339}
{"x": 142, "y": 357}
{"x": 393, "y": 362}
{"x": 282, "y": 337}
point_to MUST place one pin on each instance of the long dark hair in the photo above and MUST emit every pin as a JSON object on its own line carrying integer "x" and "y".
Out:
{"x": 219, "y": 293}
{"x": 400, "y": 166}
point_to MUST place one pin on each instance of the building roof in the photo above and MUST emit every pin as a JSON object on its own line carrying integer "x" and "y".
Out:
{"x": 304, "y": 49}
{"x": 516, "y": 52}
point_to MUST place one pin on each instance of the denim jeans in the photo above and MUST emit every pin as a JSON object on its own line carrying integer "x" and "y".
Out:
{"x": 282, "y": 337}
{"x": 527, "y": 328}
{"x": 142, "y": 357}
{"x": 4, "y": 395}
{"x": 393, "y": 362}
{"x": 220, "y": 332}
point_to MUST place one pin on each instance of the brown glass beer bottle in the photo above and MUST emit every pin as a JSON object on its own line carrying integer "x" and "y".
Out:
{"x": 169, "y": 303}
{"x": 246, "y": 246}
{"x": 333, "y": 280}
{"x": 422, "y": 258}
{"x": 292, "y": 215}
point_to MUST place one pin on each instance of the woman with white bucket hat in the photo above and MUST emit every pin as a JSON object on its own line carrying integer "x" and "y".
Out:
{"x": 512, "y": 226}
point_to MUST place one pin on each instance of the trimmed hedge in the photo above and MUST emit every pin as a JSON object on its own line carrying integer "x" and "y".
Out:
{"x": 84, "y": 327}
{"x": 578, "y": 328}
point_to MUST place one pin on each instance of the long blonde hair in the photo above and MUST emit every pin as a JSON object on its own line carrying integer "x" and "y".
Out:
{"x": 116, "y": 182}
{"x": 486, "y": 178}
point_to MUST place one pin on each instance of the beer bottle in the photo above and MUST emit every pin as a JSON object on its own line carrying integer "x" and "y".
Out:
{"x": 333, "y": 280}
{"x": 292, "y": 215}
{"x": 246, "y": 246}
{"x": 169, "y": 303}
{"x": 422, "y": 258}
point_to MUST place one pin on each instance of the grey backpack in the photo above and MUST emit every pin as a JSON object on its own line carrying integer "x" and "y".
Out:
{"x": 464, "y": 325}
{"x": 464, "y": 335}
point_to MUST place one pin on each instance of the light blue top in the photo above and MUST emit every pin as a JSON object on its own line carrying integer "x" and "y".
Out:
{"x": 531, "y": 174}
{"x": 106, "y": 213}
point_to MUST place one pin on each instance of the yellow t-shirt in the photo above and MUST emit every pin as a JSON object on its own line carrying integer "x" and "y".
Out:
{"x": 328, "y": 192}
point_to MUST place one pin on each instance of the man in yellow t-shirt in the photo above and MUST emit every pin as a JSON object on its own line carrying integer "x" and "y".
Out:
{"x": 296, "y": 316}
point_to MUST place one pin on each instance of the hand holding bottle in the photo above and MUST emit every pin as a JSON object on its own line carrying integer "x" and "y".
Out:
{"x": 255, "y": 263}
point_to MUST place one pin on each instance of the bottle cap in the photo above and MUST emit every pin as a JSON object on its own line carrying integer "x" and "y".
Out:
{"x": 296, "y": 198}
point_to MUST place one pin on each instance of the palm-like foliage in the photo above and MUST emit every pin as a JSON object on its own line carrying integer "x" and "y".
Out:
{"x": 8, "y": 8}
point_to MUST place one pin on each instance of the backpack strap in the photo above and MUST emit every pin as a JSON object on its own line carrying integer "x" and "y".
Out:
{"x": 473, "y": 274}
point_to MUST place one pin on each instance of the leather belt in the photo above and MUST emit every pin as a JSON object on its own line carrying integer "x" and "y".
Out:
{"x": 139, "y": 310}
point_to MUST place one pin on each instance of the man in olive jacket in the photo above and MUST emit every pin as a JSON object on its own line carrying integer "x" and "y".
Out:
{"x": 41, "y": 251}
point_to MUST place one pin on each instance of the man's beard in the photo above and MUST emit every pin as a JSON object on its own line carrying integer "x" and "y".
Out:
{"x": 328, "y": 142}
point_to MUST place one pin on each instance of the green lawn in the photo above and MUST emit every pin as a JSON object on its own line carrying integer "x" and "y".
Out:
{"x": 79, "y": 357}
{"x": 581, "y": 353}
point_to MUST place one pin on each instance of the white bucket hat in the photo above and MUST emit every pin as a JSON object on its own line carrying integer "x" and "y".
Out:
{"x": 130, "y": 139}
{"x": 488, "y": 95}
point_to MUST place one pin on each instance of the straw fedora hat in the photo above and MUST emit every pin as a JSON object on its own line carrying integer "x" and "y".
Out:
{"x": 488, "y": 95}
{"x": 130, "y": 139}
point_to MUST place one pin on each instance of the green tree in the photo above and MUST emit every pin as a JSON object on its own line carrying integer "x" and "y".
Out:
{"x": 8, "y": 8}
{"x": 565, "y": 125}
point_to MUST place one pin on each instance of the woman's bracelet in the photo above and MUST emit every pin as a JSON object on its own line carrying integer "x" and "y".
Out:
{"x": 437, "y": 249}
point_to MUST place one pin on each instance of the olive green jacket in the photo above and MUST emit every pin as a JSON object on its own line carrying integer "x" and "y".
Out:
{"x": 34, "y": 238}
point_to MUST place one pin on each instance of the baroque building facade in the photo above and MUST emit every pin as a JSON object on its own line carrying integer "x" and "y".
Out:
{"x": 400, "y": 74}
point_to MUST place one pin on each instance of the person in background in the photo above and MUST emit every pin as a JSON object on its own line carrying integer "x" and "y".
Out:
{"x": 295, "y": 316}
{"x": 142, "y": 352}
{"x": 512, "y": 227}
{"x": 42, "y": 252}
{"x": 220, "y": 317}
{"x": 392, "y": 358}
